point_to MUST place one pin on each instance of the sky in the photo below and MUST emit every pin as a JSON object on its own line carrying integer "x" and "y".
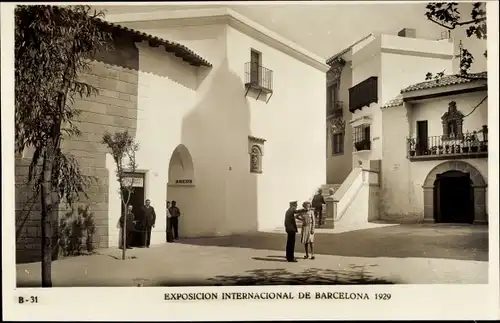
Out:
{"x": 328, "y": 27}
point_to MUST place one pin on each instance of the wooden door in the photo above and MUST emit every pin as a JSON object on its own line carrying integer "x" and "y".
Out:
{"x": 422, "y": 137}
{"x": 255, "y": 67}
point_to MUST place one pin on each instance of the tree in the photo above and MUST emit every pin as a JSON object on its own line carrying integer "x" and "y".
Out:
{"x": 447, "y": 15}
{"x": 123, "y": 149}
{"x": 53, "y": 45}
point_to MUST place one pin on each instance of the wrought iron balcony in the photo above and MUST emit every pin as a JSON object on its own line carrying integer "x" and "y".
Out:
{"x": 470, "y": 145}
{"x": 259, "y": 78}
{"x": 335, "y": 109}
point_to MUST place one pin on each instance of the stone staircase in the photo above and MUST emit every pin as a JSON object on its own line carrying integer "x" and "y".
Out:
{"x": 328, "y": 221}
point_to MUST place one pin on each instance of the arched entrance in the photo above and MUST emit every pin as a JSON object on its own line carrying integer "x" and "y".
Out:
{"x": 181, "y": 183}
{"x": 455, "y": 192}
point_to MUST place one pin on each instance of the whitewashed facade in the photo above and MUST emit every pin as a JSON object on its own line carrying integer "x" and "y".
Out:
{"x": 230, "y": 147}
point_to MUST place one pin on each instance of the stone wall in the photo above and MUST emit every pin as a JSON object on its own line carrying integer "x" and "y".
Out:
{"x": 115, "y": 74}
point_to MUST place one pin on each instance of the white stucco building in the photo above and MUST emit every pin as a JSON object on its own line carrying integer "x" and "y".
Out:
{"x": 378, "y": 108}
{"x": 435, "y": 155}
{"x": 199, "y": 128}
{"x": 364, "y": 76}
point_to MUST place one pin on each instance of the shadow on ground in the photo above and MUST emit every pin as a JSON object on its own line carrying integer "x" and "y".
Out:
{"x": 401, "y": 241}
{"x": 282, "y": 276}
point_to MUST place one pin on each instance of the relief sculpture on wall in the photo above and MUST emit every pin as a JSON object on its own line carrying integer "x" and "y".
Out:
{"x": 256, "y": 151}
{"x": 333, "y": 74}
{"x": 452, "y": 122}
{"x": 255, "y": 157}
{"x": 336, "y": 126}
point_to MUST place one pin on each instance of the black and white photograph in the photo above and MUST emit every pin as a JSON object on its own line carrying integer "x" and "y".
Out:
{"x": 325, "y": 154}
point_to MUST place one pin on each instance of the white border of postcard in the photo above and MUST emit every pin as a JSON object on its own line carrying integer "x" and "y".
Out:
{"x": 474, "y": 302}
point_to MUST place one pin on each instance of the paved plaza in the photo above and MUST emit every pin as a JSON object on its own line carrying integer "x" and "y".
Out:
{"x": 400, "y": 254}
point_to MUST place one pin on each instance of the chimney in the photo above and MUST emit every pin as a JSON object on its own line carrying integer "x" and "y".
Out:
{"x": 408, "y": 32}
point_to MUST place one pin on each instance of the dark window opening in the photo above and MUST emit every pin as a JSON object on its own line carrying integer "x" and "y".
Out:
{"x": 333, "y": 99}
{"x": 338, "y": 143}
{"x": 255, "y": 63}
{"x": 362, "y": 137}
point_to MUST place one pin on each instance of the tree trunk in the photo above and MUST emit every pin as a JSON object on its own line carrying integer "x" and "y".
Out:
{"x": 124, "y": 232}
{"x": 46, "y": 201}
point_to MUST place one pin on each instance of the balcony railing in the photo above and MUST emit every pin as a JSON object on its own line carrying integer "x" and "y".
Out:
{"x": 469, "y": 146}
{"x": 258, "y": 76}
{"x": 335, "y": 110}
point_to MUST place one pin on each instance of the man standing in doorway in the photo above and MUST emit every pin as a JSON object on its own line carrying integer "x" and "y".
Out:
{"x": 317, "y": 204}
{"x": 170, "y": 237}
{"x": 291, "y": 231}
{"x": 175, "y": 213}
{"x": 127, "y": 220}
{"x": 149, "y": 218}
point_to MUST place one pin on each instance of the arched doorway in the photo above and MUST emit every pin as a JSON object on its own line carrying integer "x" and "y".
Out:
{"x": 455, "y": 192}
{"x": 181, "y": 184}
{"x": 453, "y": 198}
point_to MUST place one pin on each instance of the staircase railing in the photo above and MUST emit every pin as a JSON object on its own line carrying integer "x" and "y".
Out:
{"x": 337, "y": 204}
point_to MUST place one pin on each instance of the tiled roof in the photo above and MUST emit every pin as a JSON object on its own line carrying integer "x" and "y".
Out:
{"x": 179, "y": 50}
{"x": 397, "y": 101}
{"x": 446, "y": 81}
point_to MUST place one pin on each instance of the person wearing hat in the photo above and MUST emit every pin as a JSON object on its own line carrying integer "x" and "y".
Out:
{"x": 291, "y": 231}
{"x": 317, "y": 205}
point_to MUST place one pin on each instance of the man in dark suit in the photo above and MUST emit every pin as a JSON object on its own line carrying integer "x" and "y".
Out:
{"x": 149, "y": 219}
{"x": 127, "y": 219}
{"x": 291, "y": 231}
{"x": 175, "y": 213}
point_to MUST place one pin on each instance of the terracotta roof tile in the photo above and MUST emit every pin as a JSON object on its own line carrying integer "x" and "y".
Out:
{"x": 445, "y": 81}
{"x": 397, "y": 101}
{"x": 179, "y": 50}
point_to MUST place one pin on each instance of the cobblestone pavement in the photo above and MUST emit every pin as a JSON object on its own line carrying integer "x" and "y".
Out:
{"x": 390, "y": 255}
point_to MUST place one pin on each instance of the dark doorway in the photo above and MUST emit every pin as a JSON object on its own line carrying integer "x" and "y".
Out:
{"x": 453, "y": 198}
{"x": 137, "y": 201}
{"x": 422, "y": 137}
{"x": 255, "y": 58}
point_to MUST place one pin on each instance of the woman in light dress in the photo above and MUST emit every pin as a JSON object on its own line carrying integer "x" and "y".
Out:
{"x": 306, "y": 215}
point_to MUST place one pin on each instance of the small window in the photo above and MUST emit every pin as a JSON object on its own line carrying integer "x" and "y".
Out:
{"x": 332, "y": 98}
{"x": 362, "y": 137}
{"x": 338, "y": 143}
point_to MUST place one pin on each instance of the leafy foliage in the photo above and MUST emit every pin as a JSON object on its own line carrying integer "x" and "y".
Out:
{"x": 123, "y": 148}
{"x": 447, "y": 15}
{"x": 53, "y": 46}
{"x": 76, "y": 235}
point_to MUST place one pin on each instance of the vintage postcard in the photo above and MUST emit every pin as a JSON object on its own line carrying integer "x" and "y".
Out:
{"x": 250, "y": 161}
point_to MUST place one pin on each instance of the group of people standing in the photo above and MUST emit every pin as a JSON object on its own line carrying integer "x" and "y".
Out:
{"x": 310, "y": 216}
{"x": 138, "y": 225}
